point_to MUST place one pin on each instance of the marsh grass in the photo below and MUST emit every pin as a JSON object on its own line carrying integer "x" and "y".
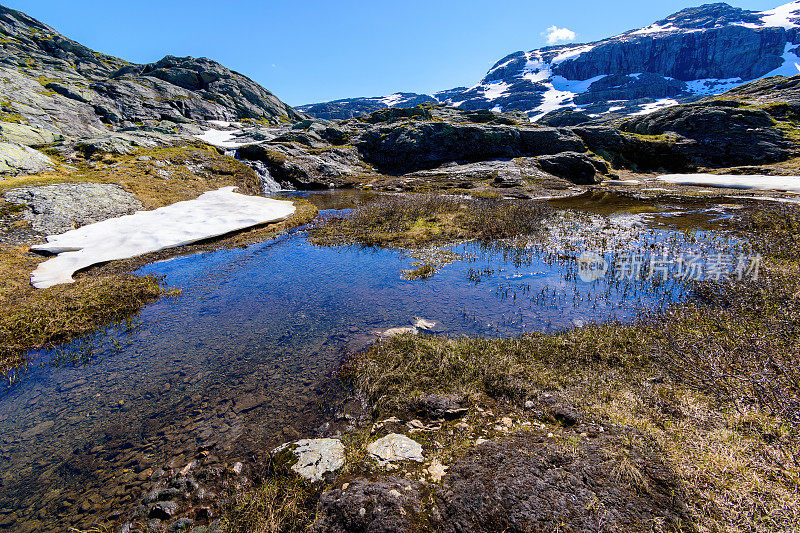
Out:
{"x": 420, "y": 219}
{"x": 278, "y": 505}
{"x": 33, "y": 318}
{"x": 714, "y": 382}
{"x": 422, "y": 271}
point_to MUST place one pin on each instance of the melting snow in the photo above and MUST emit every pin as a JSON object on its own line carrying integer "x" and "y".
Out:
{"x": 654, "y": 28}
{"x": 709, "y": 86}
{"x": 779, "y": 17}
{"x": 655, "y": 106}
{"x": 571, "y": 53}
{"x": 494, "y": 90}
{"x": 778, "y": 183}
{"x": 221, "y": 138}
{"x": 213, "y": 214}
{"x": 553, "y": 99}
{"x": 392, "y": 100}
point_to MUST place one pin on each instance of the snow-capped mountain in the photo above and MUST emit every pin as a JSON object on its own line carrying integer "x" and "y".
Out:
{"x": 691, "y": 54}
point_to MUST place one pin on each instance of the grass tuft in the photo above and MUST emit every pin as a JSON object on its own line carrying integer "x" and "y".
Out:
{"x": 420, "y": 219}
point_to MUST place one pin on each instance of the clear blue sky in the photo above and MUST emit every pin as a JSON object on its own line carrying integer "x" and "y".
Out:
{"x": 312, "y": 51}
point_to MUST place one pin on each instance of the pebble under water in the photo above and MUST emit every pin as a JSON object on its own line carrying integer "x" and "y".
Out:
{"x": 243, "y": 355}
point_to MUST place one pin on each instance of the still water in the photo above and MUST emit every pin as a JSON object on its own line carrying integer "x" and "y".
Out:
{"x": 242, "y": 356}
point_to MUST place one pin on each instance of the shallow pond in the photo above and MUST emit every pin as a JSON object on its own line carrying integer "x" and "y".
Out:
{"x": 241, "y": 357}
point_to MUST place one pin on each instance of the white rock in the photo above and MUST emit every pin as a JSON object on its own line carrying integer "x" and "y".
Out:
{"x": 391, "y": 332}
{"x": 437, "y": 470}
{"x": 421, "y": 323}
{"x": 316, "y": 457}
{"x": 212, "y": 214}
{"x": 395, "y": 447}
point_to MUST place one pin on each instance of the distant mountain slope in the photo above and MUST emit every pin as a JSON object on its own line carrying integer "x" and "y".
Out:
{"x": 693, "y": 53}
{"x": 52, "y": 87}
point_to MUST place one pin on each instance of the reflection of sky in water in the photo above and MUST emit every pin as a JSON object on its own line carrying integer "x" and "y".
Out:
{"x": 272, "y": 319}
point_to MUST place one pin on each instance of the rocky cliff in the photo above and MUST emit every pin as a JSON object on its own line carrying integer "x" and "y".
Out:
{"x": 53, "y": 88}
{"x": 694, "y": 53}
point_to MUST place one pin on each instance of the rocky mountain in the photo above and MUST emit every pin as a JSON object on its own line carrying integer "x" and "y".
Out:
{"x": 691, "y": 54}
{"x": 54, "y": 89}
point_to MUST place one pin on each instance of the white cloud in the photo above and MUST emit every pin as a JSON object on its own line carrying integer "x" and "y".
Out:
{"x": 555, "y": 34}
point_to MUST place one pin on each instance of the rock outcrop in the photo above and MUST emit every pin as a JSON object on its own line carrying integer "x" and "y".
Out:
{"x": 527, "y": 483}
{"x": 53, "y": 87}
{"x": 54, "y": 209}
{"x": 19, "y": 159}
{"x": 418, "y": 146}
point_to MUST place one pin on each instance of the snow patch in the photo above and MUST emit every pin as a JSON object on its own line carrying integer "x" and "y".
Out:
{"x": 220, "y": 138}
{"x": 655, "y": 106}
{"x": 571, "y": 53}
{"x": 654, "y": 28}
{"x": 495, "y": 89}
{"x": 393, "y": 99}
{"x": 212, "y": 214}
{"x": 781, "y": 15}
{"x": 710, "y": 86}
{"x": 778, "y": 183}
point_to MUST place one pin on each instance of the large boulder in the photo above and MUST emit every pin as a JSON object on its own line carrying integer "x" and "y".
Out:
{"x": 612, "y": 482}
{"x": 564, "y": 117}
{"x": 421, "y": 145}
{"x": 17, "y": 159}
{"x": 54, "y": 209}
{"x": 578, "y": 168}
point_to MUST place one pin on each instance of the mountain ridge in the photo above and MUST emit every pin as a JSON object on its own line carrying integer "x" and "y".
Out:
{"x": 62, "y": 89}
{"x": 695, "y": 52}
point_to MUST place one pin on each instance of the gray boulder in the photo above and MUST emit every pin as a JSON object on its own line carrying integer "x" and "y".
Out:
{"x": 313, "y": 458}
{"x": 394, "y": 448}
{"x": 54, "y": 209}
{"x": 17, "y": 159}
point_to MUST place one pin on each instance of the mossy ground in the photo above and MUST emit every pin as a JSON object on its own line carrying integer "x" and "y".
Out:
{"x": 713, "y": 384}
{"x": 108, "y": 293}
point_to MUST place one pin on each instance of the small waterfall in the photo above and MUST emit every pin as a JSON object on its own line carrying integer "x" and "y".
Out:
{"x": 268, "y": 183}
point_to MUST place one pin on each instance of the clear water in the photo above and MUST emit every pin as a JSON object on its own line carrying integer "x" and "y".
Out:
{"x": 269, "y": 322}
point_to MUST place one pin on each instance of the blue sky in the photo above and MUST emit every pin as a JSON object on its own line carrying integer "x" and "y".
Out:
{"x": 312, "y": 51}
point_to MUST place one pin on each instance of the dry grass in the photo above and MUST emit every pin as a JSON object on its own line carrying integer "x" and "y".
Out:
{"x": 714, "y": 383}
{"x": 34, "y": 318}
{"x": 279, "y": 505}
{"x": 420, "y": 219}
{"x": 186, "y": 172}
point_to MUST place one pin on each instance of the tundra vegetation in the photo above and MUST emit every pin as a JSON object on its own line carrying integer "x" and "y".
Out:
{"x": 708, "y": 390}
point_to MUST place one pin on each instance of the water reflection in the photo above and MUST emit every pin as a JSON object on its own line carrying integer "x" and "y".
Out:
{"x": 239, "y": 356}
